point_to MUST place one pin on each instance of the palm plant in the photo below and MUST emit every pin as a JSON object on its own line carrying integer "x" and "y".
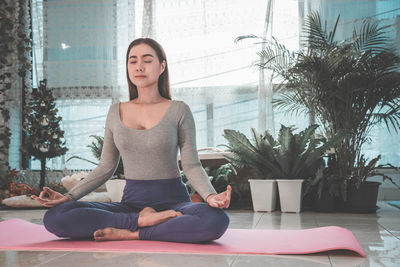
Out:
{"x": 96, "y": 147}
{"x": 291, "y": 156}
{"x": 351, "y": 85}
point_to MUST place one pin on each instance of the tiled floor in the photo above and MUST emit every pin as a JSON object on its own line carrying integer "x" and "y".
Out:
{"x": 378, "y": 234}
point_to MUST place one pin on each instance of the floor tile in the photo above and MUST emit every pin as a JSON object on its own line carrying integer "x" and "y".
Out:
{"x": 141, "y": 260}
{"x": 343, "y": 259}
{"x": 288, "y": 221}
{"x": 32, "y": 215}
{"x": 282, "y": 260}
{"x": 387, "y": 247}
{"x": 28, "y": 258}
{"x": 244, "y": 220}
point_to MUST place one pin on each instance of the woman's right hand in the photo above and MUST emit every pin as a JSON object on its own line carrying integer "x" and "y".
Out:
{"x": 54, "y": 198}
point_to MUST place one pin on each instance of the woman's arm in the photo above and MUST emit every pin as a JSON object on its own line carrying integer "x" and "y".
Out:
{"x": 108, "y": 164}
{"x": 189, "y": 157}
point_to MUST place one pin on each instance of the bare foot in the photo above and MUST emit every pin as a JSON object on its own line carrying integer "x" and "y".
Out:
{"x": 149, "y": 216}
{"x": 109, "y": 233}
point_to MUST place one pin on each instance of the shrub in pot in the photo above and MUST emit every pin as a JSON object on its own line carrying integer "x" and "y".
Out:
{"x": 194, "y": 196}
{"x": 350, "y": 85}
{"x": 358, "y": 194}
{"x": 246, "y": 155}
{"x": 323, "y": 194}
{"x": 291, "y": 159}
{"x": 219, "y": 179}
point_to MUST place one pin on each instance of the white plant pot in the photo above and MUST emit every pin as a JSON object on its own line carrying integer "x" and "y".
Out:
{"x": 115, "y": 189}
{"x": 263, "y": 194}
{"x": 290, "y": 194}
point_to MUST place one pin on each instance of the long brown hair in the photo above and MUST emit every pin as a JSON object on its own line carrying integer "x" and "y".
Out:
{"x": 163, "y": 80}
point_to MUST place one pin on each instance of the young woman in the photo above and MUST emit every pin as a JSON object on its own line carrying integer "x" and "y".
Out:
{"x": 146, "y": 132}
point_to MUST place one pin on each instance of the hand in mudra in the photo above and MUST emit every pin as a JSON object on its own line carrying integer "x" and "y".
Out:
{"x": 54, "y": 198}
{"x": 221, "y": 200}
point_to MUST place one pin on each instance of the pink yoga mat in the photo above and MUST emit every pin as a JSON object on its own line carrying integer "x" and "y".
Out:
{"x": 17, "y": 234}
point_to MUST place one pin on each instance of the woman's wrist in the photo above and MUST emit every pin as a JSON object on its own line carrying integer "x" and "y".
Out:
{"x": 69, "y": 196}
{"x": 209, "y": 196}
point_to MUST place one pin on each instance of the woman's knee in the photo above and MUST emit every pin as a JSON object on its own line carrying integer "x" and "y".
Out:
{"x": 220, "y": 221}
{"x": 216, "y": 222}
{"x": 55, "y": 217}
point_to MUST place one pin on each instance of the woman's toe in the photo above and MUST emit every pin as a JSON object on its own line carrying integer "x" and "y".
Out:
{"x": 99, "y": 233}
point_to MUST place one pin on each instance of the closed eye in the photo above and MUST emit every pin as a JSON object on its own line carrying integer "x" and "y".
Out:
{"x": 144, "y": 62}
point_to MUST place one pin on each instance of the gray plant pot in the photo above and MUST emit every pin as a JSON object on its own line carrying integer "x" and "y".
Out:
{"x": 263, "y": 194}
{"x": 290, "y": 194}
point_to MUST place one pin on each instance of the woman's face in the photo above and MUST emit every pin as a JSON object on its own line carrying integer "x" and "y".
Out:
{"x": 144, "y": 67}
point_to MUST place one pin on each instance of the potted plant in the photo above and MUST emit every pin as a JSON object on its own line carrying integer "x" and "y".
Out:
{"x": 115, "y": 185}
{"x": 290, "y": 160}
{"x": 247, "y": 155}
{"x": 359, "y": 194}
{"x": 219, "y": 179}
{"x": 350, "y": 85}
{"x": 194, "y": 196}
{"x": 323, "y": 193}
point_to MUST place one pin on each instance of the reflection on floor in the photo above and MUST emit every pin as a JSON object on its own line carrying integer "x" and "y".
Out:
{"x": 378, "y": 234}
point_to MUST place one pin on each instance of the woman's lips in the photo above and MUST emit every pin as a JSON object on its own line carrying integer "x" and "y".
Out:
{"x": 140, "y": 76}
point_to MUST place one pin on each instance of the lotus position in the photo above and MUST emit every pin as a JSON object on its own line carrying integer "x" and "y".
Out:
{"x": 146, "y": 133}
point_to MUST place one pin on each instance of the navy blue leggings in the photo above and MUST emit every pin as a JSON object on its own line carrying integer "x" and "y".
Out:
{"x": 199, "y": 222}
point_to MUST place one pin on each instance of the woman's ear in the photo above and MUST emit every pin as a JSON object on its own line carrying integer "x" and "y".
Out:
{"x": 163, "y": 64}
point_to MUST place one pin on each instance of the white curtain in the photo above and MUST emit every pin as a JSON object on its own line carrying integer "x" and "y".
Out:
{"x": 80, "y": 48}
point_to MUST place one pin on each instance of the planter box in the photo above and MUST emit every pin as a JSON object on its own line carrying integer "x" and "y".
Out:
{"x": 290, "y": 194}
{"x": 363, "y": 199}
{"x": 326, "y": 203}
{"x": 115, "y": 189}
{"x": 263, "y": 194}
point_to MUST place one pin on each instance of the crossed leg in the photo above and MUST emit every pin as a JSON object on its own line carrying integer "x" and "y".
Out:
{"x": 147, "y": 217}
{"x": 199, "y": 223}
{"x": 81, "y": 219}
{"x": 194, "y": 223}
{"x": 182, "y": 222}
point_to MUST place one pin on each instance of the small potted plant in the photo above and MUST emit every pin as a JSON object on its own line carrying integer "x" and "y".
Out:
{"x": 219, "y": 179}
{"x": 290, "y": 160}
{"x": 357, "y": 194}
{"x": 194, "y": 196}
{"x": 246, "y": 155}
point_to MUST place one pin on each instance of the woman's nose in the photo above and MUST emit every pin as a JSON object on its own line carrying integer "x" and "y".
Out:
{"x": 140, "y": 67}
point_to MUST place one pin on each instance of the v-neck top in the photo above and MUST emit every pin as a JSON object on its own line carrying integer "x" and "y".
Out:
{"x": 160, "y": 122}
{"x": 149, "y": 154}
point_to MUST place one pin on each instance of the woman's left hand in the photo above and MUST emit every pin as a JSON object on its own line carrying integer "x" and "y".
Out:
{"x": 222, "y": 200}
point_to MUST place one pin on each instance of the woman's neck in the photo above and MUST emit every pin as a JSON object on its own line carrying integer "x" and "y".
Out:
{"x": 148, "y": 95}
{"x": 148, "y": 100}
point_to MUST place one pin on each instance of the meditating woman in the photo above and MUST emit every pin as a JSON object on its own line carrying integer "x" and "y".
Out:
{"x": 146, "y": 132}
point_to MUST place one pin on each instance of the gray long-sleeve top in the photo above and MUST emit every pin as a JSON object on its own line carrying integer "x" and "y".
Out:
{"x": 150, "y": 153}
